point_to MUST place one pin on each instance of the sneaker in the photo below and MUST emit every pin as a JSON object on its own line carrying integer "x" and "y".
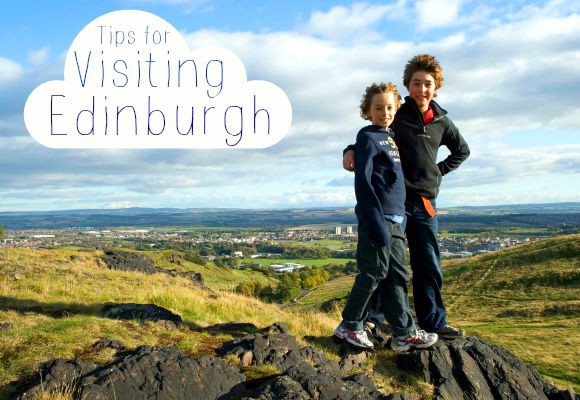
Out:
{"x": 356, "y": 338}
{"x": 414, "y": 340}
{"x": 449, "y": 332}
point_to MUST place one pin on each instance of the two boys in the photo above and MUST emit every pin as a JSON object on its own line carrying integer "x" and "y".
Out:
{"x": 421, "y": 127}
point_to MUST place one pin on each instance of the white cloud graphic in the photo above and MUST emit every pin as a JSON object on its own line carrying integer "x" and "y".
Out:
{"x": 131, "y": 81}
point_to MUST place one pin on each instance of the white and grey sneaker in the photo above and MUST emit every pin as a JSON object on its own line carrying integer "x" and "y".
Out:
{"x": 356, "y": 338}
{"x": 414, "y": 340}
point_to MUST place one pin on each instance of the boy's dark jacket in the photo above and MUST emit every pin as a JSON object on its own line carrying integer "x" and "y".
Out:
{"x": 379, "y": 184}
{"x": 418, "y": 144}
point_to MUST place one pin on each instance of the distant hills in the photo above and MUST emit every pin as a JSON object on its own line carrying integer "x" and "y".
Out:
{"x": 519, "y": 215}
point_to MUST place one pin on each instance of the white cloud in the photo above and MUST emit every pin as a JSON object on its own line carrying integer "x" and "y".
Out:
{"x": 356, "y": 23}
{"x": 39, "y": 56}
{"x": 119, "y": 204}
{"x": 436, "y": 13}
{"x": 10, "y": 70}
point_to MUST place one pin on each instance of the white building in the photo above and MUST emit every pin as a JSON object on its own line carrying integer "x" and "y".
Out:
{"x": 337, "y": 230}
{"x": 288, "y": 267}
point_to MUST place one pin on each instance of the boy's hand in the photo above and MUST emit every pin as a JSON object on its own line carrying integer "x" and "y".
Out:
{"x": 348, "y": 161}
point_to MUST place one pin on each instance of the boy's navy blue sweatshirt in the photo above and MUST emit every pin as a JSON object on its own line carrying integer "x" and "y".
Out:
{"x": 379, "y": 183}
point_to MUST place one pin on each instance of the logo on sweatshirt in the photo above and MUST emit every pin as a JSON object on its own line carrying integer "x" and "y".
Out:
{"x": 394, "y": 153}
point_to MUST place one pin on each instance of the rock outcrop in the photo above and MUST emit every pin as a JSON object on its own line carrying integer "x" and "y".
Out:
{"x": 274, "y": 346}
{"x": 129, "y": 261}
{"x": 144, "y": 373}
{"x": 467, "y": 368}
{"x": 161, "y": 373}
{"x": 142, "y": 312}
{"x": 471, "y": 368}
{"x": 306, "y": 382}
{"x": 58, "y": 374}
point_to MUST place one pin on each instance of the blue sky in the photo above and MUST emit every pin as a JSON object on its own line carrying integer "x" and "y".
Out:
{"x": 511, "y": 86}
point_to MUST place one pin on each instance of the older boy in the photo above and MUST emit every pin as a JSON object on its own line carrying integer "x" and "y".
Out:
{"x": 421, "y": 127}
{"x": 380, "y": 193}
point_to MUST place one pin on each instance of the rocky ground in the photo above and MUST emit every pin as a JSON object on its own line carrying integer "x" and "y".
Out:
{"x": 467, "y": 368}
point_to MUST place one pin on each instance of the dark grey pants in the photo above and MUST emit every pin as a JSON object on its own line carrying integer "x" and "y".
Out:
{"x": 384, "y": 268}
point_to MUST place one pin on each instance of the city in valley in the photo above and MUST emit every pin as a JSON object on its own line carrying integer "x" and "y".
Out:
{"x": 342, "y": 238}
{"x": 311, "y": 237}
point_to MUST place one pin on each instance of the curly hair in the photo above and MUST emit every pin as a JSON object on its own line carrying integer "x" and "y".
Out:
{"x": 365, "y": 104}
{"x": 423, "y": 62}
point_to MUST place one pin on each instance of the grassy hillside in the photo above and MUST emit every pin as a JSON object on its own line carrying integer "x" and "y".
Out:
{"x": 53, "y": 300}
{"x": 334, "y": 289}
{"x": 214, "y": 277}
{"x": 526, "y": 299}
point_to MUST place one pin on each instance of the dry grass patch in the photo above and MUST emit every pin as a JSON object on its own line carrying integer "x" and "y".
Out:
{"x": 53, "y": 299}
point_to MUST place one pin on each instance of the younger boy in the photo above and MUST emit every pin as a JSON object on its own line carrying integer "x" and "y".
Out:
{"x": 421, "y": 127}
{"x": 380, "y": 193}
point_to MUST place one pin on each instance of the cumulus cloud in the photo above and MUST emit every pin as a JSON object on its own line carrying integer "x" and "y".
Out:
{"x": 436, "y": 13}
{"x": 357, "y": 22}
{"x": 9, "y": 70}
{"x": 496, "y": 163}
{"x": 39, "y": 56}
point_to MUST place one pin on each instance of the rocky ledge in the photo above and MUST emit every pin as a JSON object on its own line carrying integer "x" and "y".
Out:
{"x": 467, "y": 368}
{"x": 471, "y": 368}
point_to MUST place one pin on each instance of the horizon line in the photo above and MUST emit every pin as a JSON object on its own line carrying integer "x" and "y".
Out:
{"x": 275, "y": 208}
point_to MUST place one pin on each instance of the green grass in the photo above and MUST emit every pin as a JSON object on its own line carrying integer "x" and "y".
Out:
{"x": 336, "y": 288}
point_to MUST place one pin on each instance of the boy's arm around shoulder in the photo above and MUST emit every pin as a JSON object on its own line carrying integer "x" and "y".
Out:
{"x": 457, "y": 145}
{"x": 368, "y": 203}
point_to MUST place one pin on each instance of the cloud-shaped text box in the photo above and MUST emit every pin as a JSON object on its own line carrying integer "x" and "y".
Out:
{"x": 131, "y": 81}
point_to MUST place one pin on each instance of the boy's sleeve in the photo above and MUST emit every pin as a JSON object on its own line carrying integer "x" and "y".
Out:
{"x": 458, "y": 147}
{"x": 368, "y": 203}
